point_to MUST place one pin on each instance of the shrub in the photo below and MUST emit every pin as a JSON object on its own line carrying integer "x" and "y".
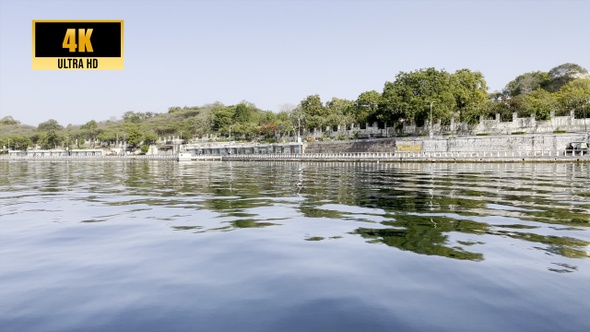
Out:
{"x": 144, "y": 149}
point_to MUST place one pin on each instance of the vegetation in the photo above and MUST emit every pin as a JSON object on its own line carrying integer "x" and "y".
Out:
{"x": 562, "y": 89}
{"x": 413, "y": 97}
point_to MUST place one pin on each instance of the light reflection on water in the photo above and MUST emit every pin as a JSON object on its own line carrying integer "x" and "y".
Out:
{"x": 153, "y": 246}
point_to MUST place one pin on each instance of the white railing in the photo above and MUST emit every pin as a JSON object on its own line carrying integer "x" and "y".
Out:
{"x": 125, "y": 157}
{"x": 347, "y": 156}
{"x": 454, "y": 155}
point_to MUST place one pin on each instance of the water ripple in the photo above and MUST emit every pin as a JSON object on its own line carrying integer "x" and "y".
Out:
{"x": 166, "y": 245}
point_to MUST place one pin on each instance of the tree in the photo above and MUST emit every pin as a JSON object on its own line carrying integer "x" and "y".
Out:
{"x": 540, "y": 103}
{"x": 18, "y": 142}
{"x": 366, "y": 106}
{"x": 492, "y": 107}
{"x": 408, "y": 98}
{"x": 243, "y": 113}
{"x": 313, "y": 112}
{"x": 8, "y": 120}
{"x": 109, "y": 136}
{"x": 132, "y": 117}
{"x": 90, "y": 130}
{"x": 268, "y": 129}
{"x": 49, "y": 125}
{"x": 339, "y": 112}
{"x": 222, "y": 118}
{"x": 202, "y": 122}
{"x": 527, "y": 83}
{"x": 575, "y": 95}
{"x": 134, "y": 134}
{"x": 563, "y": 74}
{"x": 149, "y": 137}
{"x": 50, "y": 139}
{"x": 285, "y": 122}
{"x": 51, "y": 136}
{"x": 470, "y": 91}
{"x": 174, "y": 109}
{"x": 245, "y": 130}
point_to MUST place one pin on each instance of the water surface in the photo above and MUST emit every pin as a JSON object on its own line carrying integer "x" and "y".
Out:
{"x": 223, "y": 246}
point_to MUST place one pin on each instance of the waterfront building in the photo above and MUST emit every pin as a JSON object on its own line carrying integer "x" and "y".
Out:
{"x": 56, "y": 153}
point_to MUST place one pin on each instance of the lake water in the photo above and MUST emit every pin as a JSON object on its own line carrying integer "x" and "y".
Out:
{"x": 222, "y": 246}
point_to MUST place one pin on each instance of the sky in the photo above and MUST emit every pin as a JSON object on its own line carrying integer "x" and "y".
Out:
{"x": 276, "y": 53}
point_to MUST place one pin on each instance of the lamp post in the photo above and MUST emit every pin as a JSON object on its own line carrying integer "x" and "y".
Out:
{"x": 584, "y": 112}
{"x": 299, "y": 129}
{"x": 431, "y": 134}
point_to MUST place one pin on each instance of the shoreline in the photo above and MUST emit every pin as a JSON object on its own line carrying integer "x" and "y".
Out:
{"x": 368, "y": 157}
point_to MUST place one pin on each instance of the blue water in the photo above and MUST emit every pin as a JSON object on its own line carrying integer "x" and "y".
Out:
{"x": 222, "y": 246}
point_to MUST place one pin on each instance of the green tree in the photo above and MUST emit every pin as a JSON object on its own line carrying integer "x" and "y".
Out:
{"x": 90, "y": 130}
{"x": 367, "y": 104}
{"x": 339, "y": 112}
{"x": 202, "y": 123}
{"x": 540, "y": 103}
{"x": 49, "y": 125}
{"x": 109, "y": 136}
{"x": 8, "y": 120}
{"x": 132, "y": 117}
{"x": 149, "y": 138}
{"x": 285, "y": 123}
{"x": 243, "y": 113}
{"x": 527, "y": 83}
{"x": 490, "y": 109}
{"x": 134, "y": 134}
{"x": 575, "y": 95}
{"x": 268, "y": 124}
{"x": 563, "y": 74}
{"x": 50, "y": 139}
{"x": 174, "y": 109}
{"x": 222, "y": 118}
{"x": 313, "y": 112}
{"x": 470, "y": 91}
{"x": 410, "y": 95}
{"x": 18, "y": 142}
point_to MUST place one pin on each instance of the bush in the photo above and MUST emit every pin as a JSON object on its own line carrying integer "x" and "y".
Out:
{"x": 518, "y": 133}
{"x": 560, "y": 131}
{"x": 144, "y": 149}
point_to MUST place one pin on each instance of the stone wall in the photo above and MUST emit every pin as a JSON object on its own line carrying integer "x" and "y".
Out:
{"x": 531, "y": 126}
{"x": 526, "y": 142}
{"x": 368, "y": 145}
{"x": 493, "y": 127}
{"x": 530, "y": 142}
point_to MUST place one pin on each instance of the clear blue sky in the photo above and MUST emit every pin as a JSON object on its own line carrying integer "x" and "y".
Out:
{"x": 272, "y": 53}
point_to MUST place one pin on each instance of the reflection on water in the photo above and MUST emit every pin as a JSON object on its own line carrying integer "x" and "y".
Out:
{"x": 346, "y": 219}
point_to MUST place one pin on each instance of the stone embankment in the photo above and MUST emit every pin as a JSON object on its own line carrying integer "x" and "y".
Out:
{"x": 94, "y": 158}
{"x": 506, "y": 148}
{"x": 518, "y": 143}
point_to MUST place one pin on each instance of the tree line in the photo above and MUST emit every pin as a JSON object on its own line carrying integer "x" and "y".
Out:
{"x": 415, "y": 97}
